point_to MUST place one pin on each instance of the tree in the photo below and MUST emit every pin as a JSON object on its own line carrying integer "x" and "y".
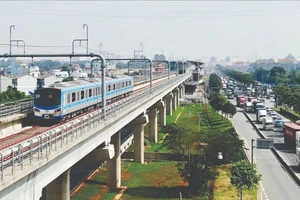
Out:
{"x": 244, "y": 176}
{"x": 215, "y": 82}
{"x": 65, "y": 68}
{"x": 217, "y": 101}
{"x": 195, "y": 169}
{"x": 68, "y": 79}
{"x": 226, "y": 142}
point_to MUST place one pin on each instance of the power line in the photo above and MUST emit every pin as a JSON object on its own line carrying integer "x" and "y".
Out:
{"x": 164, "y": 14}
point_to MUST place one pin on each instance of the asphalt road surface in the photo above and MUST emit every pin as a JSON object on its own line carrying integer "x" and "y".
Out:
{"x": 277, "y": 183}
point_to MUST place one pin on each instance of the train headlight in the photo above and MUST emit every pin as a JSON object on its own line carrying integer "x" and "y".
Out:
{"x": 57, "y": 110}
{"x": 36, "y": 110}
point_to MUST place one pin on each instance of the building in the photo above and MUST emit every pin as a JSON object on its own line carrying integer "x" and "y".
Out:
{"x": 34, "y": 71}
{"x": 25, "y": 83}
{"x": 79, "y": 74}
{"x": 46, "y": 80}
{"x": 4, "y": 83}
{"x": 61, "y": 74}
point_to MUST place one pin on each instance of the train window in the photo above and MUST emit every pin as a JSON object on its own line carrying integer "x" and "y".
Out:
{"x": 68, "y": 98}
{"x": 82, "y": 94}
{"x": 99, "y": 90}
{"x": 73, "y": 96}
{"x": 126, "y": 83}
{"x": 114, "y": 87}
{"x": 90, "y": 92}
{"x": 108, "y": 88}
{"x": 122, "y": 84}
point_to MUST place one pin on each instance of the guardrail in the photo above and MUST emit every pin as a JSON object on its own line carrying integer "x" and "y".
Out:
{"x": 42, "y": 145}
{"x": 21, "y": 106}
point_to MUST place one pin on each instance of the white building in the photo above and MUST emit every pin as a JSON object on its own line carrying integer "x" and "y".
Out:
{"x": 79, "y": 74}
{"x": 46, "y": 80}
{"x": 4, "y": 83}
{"x": 25, "y": 83}
{"x": 34, "y": 71}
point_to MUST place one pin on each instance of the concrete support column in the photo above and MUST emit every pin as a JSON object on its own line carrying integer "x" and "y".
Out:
{"x": 168, "y": 99}
{"x": 162, "y": 113}
{"x": 153, "y": 124}
{"x": 138, "y": 130}
{"x": 177, "y": 97}
{"x": 174, "y": 100}
{"x": 59, "y": 189}
{"x": 113, "y": 178}
{"x": 179, "y": 92}
{"x": 183, "y": 91}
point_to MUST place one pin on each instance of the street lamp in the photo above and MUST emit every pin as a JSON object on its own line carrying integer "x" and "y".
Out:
{"x": 252, "y": 147}
{"x": 100, "y": 45}
{"x": 220, "y": 156}
{"x": 87, "y": 37}
{"x": 12, "y": 26}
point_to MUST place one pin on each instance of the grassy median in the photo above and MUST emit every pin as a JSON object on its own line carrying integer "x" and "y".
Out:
{"x": 161, "y": 180}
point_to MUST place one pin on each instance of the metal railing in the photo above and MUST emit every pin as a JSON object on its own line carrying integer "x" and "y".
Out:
{"x": 21, "y": 106}
{"x": 42, "y": 145}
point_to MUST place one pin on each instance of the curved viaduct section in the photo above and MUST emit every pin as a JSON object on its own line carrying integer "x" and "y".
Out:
{"x": 27, "y": 184}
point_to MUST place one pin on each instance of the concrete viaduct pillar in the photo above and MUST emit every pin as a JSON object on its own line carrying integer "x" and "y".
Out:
{"x": 168, "y": 99}
{"x": 138, "y": 130}
{"x": 162, "y": 113}
{"x": 113, "y": 178}
{"x": 183, "y": 90}
{"x": 153, "y": 124}
{"x": 174, "y": 99}
{"x": 153, "y": 119}
{"x": 59, "y": 189}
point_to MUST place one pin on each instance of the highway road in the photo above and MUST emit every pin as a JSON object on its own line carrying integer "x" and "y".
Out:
{"x": 276, "y": 182}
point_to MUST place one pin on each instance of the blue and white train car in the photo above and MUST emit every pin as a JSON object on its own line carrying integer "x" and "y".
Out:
{"x": 67, "y": 99}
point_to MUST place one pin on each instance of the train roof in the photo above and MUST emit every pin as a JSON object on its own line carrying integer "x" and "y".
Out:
{"x": 68, "y": 84}
{"x": 86, "y": 82}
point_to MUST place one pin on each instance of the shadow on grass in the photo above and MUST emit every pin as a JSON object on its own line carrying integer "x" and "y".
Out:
{"x": 156, "y": 192}
{"x": 94, "y": 182}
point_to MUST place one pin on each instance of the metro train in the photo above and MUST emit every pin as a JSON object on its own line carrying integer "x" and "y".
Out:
{"x": 64, "y": 100}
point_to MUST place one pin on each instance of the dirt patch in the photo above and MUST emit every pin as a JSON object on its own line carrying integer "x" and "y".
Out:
{"x": 125, "y": 175}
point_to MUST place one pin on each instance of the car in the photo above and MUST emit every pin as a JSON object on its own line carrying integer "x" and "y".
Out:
{"x": 278, "y": 123}
{"x": 268, "y": 97}
{"x": 272, "y": 112}
{"x": 274, "y": 116}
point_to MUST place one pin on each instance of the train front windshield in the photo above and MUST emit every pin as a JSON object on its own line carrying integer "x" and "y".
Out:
{"x": 47, "y": 97}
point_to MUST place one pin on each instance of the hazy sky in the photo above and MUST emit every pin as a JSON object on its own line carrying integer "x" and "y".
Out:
{"x": 189, "y": 29}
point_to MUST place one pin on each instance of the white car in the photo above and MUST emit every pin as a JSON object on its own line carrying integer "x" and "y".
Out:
{"x": 274, "y": 116}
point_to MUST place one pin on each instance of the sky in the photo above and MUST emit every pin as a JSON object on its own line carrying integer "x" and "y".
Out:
{"x": 177, "y": 29}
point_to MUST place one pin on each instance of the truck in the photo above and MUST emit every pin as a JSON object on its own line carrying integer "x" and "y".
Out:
{"x": 248, "y": 107}
{"x": 260, "y": 113}
{"x": 289, "y": 134}
{"x": 267, "y": 123}
{"x": 240, "y": 101}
